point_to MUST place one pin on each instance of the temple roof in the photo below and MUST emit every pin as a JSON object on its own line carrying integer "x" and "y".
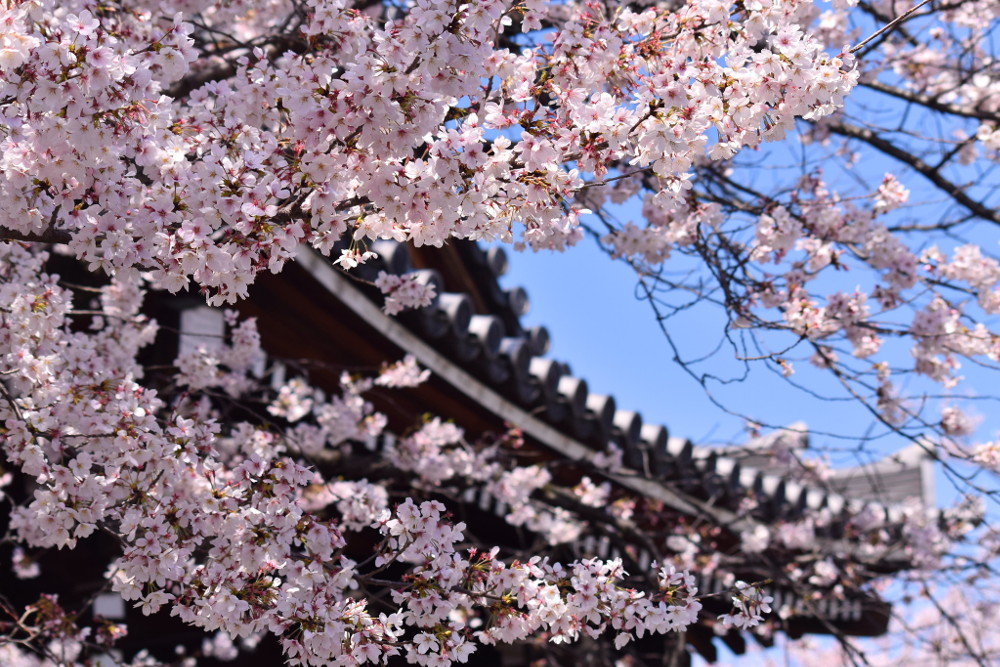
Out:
{"x": 475, "y": 323}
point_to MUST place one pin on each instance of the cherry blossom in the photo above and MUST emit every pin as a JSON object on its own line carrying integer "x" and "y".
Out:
{"x": 192, "y": 146}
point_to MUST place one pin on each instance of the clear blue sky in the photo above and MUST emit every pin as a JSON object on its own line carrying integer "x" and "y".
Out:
{"x": 610, "y": 338}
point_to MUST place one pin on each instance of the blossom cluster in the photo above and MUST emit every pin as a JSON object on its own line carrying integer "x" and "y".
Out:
{"x": 195, "y": 145}
{"x": 383, "y": 130}
{"x": 403, "y": 292}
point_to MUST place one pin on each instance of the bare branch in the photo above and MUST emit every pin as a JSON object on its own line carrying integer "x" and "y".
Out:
{"x": 930, "y": 102}
{"x": 50, "y": 235}
{"x": 887, "y": 27}
{"x": 933, "y": 174}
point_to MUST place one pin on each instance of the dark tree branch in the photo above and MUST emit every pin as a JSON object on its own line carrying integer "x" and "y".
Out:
{"x": 887, "y": 28}
{"x": 930, "y": 102}
{"x": 50, "y": 235}
{"x": 933, "y": 174}
{"x": 198, "y": 78}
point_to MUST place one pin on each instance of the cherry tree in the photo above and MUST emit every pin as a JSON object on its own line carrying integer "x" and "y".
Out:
{"x": 190, "y": 146}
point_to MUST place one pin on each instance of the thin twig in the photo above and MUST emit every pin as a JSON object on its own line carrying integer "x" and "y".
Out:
{"x": 888, "y": 26}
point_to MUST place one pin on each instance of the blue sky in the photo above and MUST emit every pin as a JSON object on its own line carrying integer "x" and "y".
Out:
{"x": 609, "y": 336}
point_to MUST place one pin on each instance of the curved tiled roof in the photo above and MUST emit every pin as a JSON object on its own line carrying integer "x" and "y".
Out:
{"x": 494, "y": 347}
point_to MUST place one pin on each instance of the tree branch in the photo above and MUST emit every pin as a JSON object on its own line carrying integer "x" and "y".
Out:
{"x": 50, "y": 235}
{"x": 888, "y": 26}
{"x": 930, "y": 102}
{"x": 932, "y": 174}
